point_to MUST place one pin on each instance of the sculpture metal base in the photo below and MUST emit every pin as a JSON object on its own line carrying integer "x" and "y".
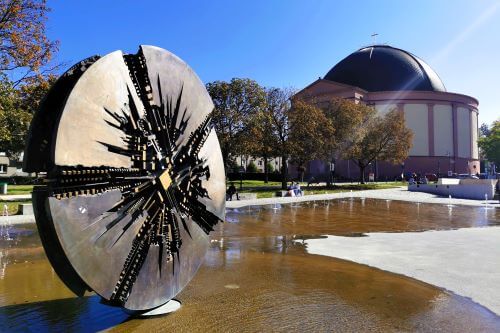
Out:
{"x": 169, "y": 307}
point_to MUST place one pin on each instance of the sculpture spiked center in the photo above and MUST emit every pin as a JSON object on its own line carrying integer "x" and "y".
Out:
{"x": 165, "y": 179}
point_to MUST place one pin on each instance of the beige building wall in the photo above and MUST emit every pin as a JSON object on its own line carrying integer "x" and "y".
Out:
{"x": 245, "y": 160}
{"x": 382, "y": 109}
{"x": 416, "y": 118}
{"x": 464, "y": 132}
{"x": 443, "y": 130}
{"x": 474, "y": 128}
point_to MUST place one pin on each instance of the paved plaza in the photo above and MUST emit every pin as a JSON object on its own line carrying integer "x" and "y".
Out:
{"x": 464, "y": 261}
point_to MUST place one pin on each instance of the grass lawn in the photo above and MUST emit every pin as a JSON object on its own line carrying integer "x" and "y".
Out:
{"x": 19, "y": 189}
{"x": 253, "y": 183}
{"x": 262, "y": 189}
{"x": 268, "y": 190}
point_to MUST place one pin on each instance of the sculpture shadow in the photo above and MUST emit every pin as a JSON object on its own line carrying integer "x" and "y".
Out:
{"x": 82, "y": 314}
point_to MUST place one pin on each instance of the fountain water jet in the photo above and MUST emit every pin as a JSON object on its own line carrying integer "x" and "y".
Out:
{"x": 449, "y": 201}
{"x": 486, "y": 202}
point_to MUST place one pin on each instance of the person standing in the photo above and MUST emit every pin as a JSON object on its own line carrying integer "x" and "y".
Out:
{"x": 232, "y": 191}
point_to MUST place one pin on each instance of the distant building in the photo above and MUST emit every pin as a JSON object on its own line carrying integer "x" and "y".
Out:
{"x": 7, "y": 167}
{"x": 445, "y": 124}
{"x": 244, "y": 161}
{"x": 11, "y": 167}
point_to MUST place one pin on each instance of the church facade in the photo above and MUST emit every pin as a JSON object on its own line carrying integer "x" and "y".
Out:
{"x": 444, "y": 124}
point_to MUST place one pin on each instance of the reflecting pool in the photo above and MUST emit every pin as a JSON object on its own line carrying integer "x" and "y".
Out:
{"x": 257, "y": 277}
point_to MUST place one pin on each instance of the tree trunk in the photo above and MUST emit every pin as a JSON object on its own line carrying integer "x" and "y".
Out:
{"x": 225, "y": 159}
{"x": 284, "y": 173}
{"x": 329, "y": 178}
{"x": 362, "y": 173}
{"x": 266, "y": 170}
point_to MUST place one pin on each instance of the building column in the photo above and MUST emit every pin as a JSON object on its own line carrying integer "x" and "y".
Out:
{"x": 401, "y": 111}
{"x": 430, "y": 126}
{"x": 455, "y": 134}
{"x": 471, "y": 138}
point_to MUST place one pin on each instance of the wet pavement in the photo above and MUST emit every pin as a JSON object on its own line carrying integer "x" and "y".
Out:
{"x": 258, "y": 276}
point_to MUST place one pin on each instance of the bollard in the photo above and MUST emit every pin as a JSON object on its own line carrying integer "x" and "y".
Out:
{"x": 3, "y": 188}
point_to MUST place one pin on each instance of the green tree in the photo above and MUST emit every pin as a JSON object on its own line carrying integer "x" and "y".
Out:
{"x": 14, "y": 120}
{"x": 386, "y": 138}
{"x": 25, "y": 50}
{"x": 484, "y": 130}
{"x": 276, "y": 111}
{"x": 33, "y": 91}
{"x": 17, "y": 106}
{"x": 489, "y": 143}
{"x": 262, "y": 137}
{"x": 251, "y": 167}
{"x": 310, "y": 134}
{"x": 294, "y": 131}
{"x": 236, "y": 103}
{"x": 270, "y": 167}
{"x": 349, "y": 121}
{"x": 25, "y": 54}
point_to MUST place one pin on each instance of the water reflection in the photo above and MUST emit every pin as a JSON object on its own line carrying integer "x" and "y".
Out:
{"x": 84, "y": 314}
{"x": 343, "y": 217}
{"x": 257, "y": 276}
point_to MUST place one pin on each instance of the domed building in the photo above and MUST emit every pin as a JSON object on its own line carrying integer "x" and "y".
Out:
{"x": 444, "y": 124}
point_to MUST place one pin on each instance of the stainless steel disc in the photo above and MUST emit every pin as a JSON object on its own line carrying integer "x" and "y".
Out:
{"x": 134, "y": 176}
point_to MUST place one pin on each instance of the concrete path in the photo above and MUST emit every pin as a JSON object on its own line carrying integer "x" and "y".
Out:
{"x": 464, "y": 261}
{"x": 400, "y": 193}
{"x": 16, "y": 219}
{"x": 15, "y": 197}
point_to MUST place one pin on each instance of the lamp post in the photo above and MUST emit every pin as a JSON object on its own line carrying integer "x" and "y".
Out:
{"x": 348, "y": 170}
{"x": 449, "y": 163}
{"x": 332, "y": 171}
{"x": 241, "y": 170}
{"x": 371, "y": 177}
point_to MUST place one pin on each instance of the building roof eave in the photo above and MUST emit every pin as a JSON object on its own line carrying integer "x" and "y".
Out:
{"x": 345, "y": 87}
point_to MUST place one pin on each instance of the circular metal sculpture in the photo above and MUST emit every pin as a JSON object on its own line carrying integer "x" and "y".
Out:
{"x": 133, "y": 179}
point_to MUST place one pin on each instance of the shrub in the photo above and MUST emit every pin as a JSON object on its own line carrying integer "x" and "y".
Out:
{"x": 270, "y": 167}
{"x": 251, "y": 167}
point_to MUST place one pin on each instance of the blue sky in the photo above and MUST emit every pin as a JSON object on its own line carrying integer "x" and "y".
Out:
{"x": 292, "y": 43}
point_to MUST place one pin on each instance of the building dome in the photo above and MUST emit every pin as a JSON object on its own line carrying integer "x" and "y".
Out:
{"x": 385, "y": 68}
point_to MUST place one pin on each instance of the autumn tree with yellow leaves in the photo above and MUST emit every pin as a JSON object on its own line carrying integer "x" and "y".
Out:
{"x": 25, "y": 68}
